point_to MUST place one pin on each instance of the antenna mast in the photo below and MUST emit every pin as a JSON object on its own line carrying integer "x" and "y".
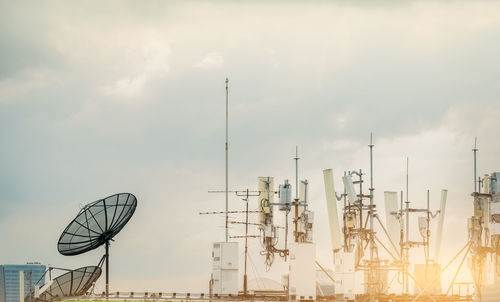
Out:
{"x": 407, "y": 237}
{"x": 227, "y": 153}
{"x": 373, "y": 249}
{"x": 296, "y": 172}
{"x": 475, "y": 151}
{"x": 371, "y": 145}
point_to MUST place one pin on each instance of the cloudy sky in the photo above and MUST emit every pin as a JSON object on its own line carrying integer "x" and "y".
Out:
{"x": 104, "y": 97}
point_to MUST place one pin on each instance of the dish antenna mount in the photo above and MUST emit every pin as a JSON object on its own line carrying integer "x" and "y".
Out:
{"x": 96, "y": 224}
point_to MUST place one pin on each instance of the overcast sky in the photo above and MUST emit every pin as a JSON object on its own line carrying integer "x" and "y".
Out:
{"x": 100, "y": 97}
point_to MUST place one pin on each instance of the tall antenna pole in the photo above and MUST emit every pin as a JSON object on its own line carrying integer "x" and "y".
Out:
{"x": 296, "y": 172}
{"x": 227, "y": 156}
{"x": 402, "y": 241}
{"x": 407, "y": 160}
{"x": 296, "y": 206}
{"x": 372, "y": 245}
{"x": 427, "y": 231}
{"x": 245, "y": 288}
{"x": 407, "y": 242}
{"x": 371, "y": 145}
{"x": 475, "y": 151}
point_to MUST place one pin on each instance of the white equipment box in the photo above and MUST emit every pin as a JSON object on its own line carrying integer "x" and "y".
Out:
{"x": 225, "y": 268}
{"x": 302, "y": 276}
{"x": 347, "y": 279}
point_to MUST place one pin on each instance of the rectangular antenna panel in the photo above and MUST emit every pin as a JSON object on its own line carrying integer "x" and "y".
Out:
{"x": 422, "y": 226}
{"x": 331, "y": 205}
{"x": 391, "y": 221}
{"x": 304, "y": 191}
{"x": 285, "y": 196}
{"x": 495, "y": 183}
{"x": 486, "y": 202}
{"x": 266, "y": 191}
{"x": 303, "y": 194}
{"x": 349, "y": 188}
{"x": 439, "y": 232}
{"x": 495, "y": 202}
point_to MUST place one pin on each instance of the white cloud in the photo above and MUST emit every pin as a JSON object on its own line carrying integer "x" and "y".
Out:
{"x": 28, "y": 82}
{"x": 151, "y": 60}
{"x": 127, "y": 86}
{"x": 212, "y": 60}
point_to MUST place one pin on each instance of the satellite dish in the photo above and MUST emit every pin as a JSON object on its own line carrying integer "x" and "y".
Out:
{"x": 96, "y": 224}
{"x": 73, "y": 283}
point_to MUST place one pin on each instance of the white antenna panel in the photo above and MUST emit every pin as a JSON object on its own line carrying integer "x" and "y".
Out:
{"x": 303, "y": 194}
{"x": 422, "y": 226}
{"x": 439, "y": 232}
{"x": 349, "y": 187}
{"x": 285, "y": 196}
{"x": 266, "y": 194}
{"x": 304, "y": 191}
{"x": 392, "y": 223}
{"x": 331, "y": 204}
{"x": 486, "y": 202}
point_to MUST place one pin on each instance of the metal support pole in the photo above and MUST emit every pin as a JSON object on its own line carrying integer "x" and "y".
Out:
{"x": 296, "y": 234}
{"x": 372, "y": 272}
{"x": 296, "y": 172}
{"x": 371, "y": 181}
{"x": 475, "y": 151}
{"x": 428, "y": 232}
{"x": 246, "y": 249}
{"x": 407, "y": 242}
{"x": 107, "y": 269}
{"x": 407, "y": 165}
{"x": 386, "y": 234}
{"x": 458, "y": 270}
{"x": 296, "y": 220}
{"x": 401, "y": 240}
{"x": 286, "y": 232}
{"x": 325, "y": 271}
{"x": 227, "y": 156}
{"x": 407, "y": 247}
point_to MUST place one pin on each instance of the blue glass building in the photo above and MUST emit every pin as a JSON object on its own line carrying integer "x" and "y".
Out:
{"x": 9, "y": 280}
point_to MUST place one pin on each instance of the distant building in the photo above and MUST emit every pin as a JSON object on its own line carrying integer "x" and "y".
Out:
{"x": 9, "y": 279}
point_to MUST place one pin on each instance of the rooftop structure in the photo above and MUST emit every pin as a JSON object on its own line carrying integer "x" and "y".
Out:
{"x": 10, "y": 284}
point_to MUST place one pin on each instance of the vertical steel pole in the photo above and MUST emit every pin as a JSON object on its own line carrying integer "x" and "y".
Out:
{"x": 246, "y": 249}
{"x": 371, "y": 182}
{"x": 407, "y": 244}
{"x": 401, "y": 239}
{"x": 227, "y": 156}
{"x": 407, "y": 241}
{"x": 428, "y": 232}
{"x": 407, "y": 163}
{"x": 475, "y": 150}
{"x": 296, "y": 172}
{"x": 296, "y": 193}
{"x": 107, "y": 269}
{"x": 372, "y": 245}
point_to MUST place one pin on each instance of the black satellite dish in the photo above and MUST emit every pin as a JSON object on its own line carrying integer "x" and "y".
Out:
{"x": 96, "y": 224}
{"x": 71, "y": 284}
